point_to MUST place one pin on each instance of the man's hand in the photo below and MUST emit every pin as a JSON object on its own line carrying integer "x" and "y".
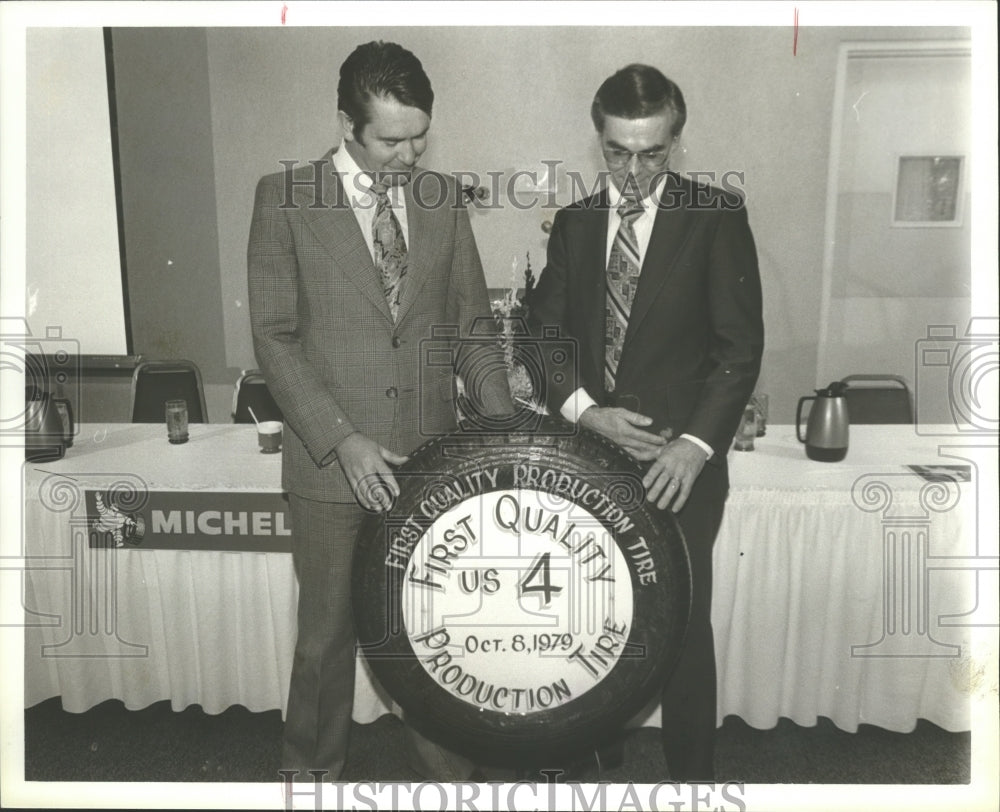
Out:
{"x": 623, "y": 428}
{"x": 366, "y": 465}
{"x": 673, "y": 474}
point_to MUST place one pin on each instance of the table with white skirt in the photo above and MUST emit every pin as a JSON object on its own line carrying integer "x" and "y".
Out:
{"x": 845, "y": 590}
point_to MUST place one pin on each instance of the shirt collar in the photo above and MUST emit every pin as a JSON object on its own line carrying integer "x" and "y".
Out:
{"x": 357, "y": 181}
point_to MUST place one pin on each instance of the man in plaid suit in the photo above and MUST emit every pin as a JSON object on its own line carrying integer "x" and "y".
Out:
{"x": 353, "y": 260}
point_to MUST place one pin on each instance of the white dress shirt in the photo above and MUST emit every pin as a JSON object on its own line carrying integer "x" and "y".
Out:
{"x": 579, "y": 401}
{"x": 358, "y": 184}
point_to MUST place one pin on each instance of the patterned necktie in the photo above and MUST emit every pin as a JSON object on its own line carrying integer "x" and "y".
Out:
{"x": 388, "y": 248}
{"x": 622, "y": 280}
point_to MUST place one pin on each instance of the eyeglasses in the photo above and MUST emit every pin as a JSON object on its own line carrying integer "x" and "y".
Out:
{"x": 652, "y": 159}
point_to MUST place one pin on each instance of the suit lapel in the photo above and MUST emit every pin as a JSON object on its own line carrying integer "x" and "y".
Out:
{"x": 336, "y": 227}
{"x": 670, "y": 230}
{"x": 594, "y": 267}
{"x": 421, "y": 245}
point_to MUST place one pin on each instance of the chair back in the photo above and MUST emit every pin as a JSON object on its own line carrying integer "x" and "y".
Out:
{"x": 251, "y": 392}
{"x": 878, "y": 399}
{"x": 156, "y": 382}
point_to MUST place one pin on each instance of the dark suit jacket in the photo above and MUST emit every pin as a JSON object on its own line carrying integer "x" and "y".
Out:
{"x": 695, "y": 334}
{"x": 333, "y": 357}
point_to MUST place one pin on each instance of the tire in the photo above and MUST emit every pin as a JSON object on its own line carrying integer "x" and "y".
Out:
{"x": 550, "y": 658}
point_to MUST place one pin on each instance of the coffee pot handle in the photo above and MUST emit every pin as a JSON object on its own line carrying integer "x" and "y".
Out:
{"x": 798, "y": 417}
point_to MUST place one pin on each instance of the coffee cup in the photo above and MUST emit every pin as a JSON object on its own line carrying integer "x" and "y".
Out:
{"x": 269, "y": 436}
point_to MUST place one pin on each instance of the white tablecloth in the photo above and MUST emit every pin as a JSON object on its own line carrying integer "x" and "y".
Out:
{"x": 814, "y": 562}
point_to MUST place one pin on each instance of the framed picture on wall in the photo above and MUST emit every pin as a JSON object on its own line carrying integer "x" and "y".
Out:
{"x": 928, "y": 191}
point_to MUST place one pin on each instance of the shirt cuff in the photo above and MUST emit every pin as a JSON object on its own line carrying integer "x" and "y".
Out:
{"x": 576, "y": 404}
{"x": 700, "y": 443}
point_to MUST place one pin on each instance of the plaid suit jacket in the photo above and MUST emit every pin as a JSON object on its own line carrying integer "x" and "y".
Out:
{"x": 324, "y": 337}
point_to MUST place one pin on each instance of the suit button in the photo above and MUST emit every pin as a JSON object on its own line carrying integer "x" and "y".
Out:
{"x": 392, "y": 392}
{"x": 397, "y": 342}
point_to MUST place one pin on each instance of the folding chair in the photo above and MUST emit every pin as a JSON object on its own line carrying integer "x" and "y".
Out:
{"x": 878, "y": 399}
{"x": 251, "y": 392}
{"x": 156, "y": 382}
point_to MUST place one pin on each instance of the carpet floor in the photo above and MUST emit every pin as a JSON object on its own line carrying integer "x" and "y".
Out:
{"x": 110, "y": 743}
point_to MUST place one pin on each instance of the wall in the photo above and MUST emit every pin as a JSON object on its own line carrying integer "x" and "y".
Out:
{"x": 888, "y": 283}
{"x": 507, "y": 99}
{"x": 905, "y": 106}
{"x": 170, "y": 206}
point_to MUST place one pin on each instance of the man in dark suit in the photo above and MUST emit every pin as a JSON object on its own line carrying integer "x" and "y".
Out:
{"x": 656, "y": 279}
{"x": 353, "y": 260}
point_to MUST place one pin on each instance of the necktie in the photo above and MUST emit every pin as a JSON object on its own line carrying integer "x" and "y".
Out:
{"x": 388, "y": 248}
{"x": 622, "y": 279}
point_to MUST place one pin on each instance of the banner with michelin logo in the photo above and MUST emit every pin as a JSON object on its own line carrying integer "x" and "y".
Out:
{"x": 191, "y": 520}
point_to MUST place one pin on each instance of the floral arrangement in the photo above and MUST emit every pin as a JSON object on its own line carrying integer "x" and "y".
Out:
{"x": 510, "y": 312}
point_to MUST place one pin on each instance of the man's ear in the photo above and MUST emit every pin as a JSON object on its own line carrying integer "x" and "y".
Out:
{"x": 346, "y": 125}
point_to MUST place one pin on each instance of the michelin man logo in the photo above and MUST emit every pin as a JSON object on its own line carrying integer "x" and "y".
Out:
{"x": 122, "y": 527}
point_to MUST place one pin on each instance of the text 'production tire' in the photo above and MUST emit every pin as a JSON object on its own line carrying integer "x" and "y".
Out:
{"x": 521, "y": 599}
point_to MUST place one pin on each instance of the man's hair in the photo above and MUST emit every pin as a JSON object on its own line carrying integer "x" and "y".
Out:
{"x": 638, "y": 91}
{"x": 382, "y": 69}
